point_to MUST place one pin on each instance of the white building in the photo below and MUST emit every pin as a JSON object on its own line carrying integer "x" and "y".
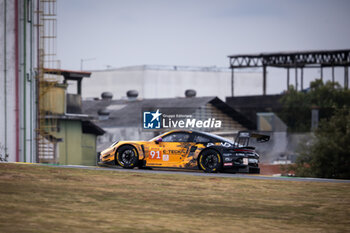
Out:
{"x": 171, "y": 81}
{"x": 27, "y": 28}
{"x": 18, "y": 60}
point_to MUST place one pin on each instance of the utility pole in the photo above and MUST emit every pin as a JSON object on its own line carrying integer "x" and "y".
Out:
{"x": 83, "y": 60}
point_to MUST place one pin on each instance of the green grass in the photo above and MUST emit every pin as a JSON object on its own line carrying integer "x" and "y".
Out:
{"x": 52, "y": 199}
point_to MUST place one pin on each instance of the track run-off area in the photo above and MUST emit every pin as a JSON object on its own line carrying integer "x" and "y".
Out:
{"x": 196, "y": 173}
{"x": 67, "y": 198}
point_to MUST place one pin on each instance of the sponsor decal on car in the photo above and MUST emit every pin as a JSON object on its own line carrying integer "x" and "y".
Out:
{"x": 165, "y": 157}
{"x": 227, "y": 154}
{"x": 183, "y": 151}
{"x": 245, "y": 161}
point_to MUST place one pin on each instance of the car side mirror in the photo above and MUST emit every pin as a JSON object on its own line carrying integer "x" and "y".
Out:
{"x": 158, "y": 140}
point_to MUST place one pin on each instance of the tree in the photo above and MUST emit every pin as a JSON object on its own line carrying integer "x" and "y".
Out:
{"x": 296, "y": 110}
{"x": 328, "y": 154}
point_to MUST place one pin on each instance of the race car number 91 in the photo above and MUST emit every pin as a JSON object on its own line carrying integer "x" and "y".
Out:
{"x": 156, "y": 154}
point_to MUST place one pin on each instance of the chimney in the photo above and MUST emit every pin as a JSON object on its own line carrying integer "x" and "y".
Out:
{"x": 190, "y": 93}
{"x": 103, "y": 114}
{"x": 106, "y": 95}
{"x": 132, "y": 94}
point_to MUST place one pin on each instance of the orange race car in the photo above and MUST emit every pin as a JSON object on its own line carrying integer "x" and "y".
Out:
{"x": 187, "y": 149}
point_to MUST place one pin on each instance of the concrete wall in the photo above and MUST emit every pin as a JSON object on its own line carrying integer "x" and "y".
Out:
{"x": 17, "y": 80}
{"x": 167, "y": 82}
{"x": 7, "y": 81}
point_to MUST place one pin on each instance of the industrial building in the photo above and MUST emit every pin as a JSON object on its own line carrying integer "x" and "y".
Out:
{"x": 19, "y": 60}
{"x": 68, "y": 136}
{"x": 155, "y": 81}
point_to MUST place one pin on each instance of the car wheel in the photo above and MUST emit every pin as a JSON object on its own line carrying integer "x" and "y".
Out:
{"x": 210, "y": 161}
{"x": 127, "y": 156}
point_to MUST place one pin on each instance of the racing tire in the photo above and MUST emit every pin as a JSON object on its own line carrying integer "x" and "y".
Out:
{"x": 127, "y": 157}
{"x": 210, "y": 161}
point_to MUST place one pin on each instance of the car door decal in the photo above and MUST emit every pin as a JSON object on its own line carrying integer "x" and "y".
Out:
{"x": 155, "y": 154}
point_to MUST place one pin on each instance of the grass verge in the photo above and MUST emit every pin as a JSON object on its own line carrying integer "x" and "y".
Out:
{"x": 52, "y": 199}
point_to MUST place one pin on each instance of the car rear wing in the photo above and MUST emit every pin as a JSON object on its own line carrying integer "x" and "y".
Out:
{"x": 243, "y": 138}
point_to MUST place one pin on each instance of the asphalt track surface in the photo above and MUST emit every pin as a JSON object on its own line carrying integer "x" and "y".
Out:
{"x": 200, "y": 173}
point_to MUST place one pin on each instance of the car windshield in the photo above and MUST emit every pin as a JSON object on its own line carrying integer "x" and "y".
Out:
{"x": 159, "y": 136}
{"x": 153, "y": 139}
{"x": 113, "y": 144}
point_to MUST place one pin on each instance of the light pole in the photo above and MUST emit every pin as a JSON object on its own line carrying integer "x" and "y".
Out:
{"x": 85, "y": 59}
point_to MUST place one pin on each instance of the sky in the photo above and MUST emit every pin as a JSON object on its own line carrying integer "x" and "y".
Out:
{"x": 118, "y": 33}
